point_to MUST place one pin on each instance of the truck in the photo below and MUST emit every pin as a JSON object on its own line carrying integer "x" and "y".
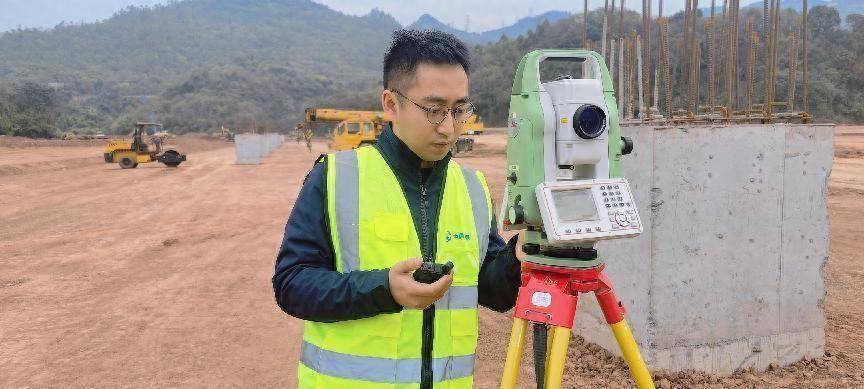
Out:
{"x": 354, "y": 128}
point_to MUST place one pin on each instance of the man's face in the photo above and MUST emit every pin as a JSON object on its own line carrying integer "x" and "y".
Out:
{"x": 433, "y": 84}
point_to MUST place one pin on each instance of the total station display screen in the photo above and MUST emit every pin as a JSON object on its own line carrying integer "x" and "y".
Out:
{"x": 575, "y": 205}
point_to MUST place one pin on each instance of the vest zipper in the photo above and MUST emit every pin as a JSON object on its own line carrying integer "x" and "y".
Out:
{"x": 428, "y": 329}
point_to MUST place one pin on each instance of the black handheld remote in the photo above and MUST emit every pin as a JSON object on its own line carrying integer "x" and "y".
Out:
{"x": 431, "y": 272}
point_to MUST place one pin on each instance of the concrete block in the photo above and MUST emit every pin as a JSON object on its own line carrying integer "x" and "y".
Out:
{"x": 249, "y": 149}
{"x": 728, "y": 272}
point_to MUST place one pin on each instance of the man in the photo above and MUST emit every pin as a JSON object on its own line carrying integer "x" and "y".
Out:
{"x": 365, "y": 219}
{"x": 298, "y": 132}
{"x": 308, "y": 136}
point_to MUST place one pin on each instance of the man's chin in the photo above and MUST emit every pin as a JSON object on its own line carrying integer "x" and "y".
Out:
{"x": 435, "y": 156}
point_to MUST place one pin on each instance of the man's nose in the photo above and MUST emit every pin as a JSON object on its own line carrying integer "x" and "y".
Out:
{"x": 448, "y": 126}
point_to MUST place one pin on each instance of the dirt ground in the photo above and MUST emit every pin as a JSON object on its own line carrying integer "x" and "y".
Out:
{"x": 158, "y": 277}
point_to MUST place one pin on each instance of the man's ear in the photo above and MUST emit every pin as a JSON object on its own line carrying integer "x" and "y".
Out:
{"x": 389, "y": 103}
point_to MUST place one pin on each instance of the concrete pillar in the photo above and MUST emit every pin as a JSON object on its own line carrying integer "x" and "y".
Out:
{"x": 248, "y": 148}
{"x": 728, "y": 271}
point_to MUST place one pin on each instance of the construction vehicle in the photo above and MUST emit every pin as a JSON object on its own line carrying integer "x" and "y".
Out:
{"x": 357, "y": 128}
{"x": 226, "y": 134}
{"x": 353, "y": 133}
{"x": 129, "y": 153}
{"x": 473, "y": 126}
{"x": 354, "y": 129}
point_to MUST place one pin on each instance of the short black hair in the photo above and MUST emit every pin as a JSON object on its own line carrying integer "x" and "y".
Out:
{"x": 411, "y": 47}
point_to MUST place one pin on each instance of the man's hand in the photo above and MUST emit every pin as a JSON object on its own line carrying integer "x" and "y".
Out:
{"x": 412, "y": 294}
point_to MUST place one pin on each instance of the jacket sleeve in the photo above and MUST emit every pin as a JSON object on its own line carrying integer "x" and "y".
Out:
{"x": 499, "y": 279}
{"x": 306, "y": 283}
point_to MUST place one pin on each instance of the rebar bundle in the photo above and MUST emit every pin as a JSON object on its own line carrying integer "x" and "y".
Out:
{"x": 633, "y": 60}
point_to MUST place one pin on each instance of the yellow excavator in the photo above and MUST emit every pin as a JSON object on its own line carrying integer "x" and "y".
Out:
{"x": 129, "y": 153}
{"x": 357, "y": 128}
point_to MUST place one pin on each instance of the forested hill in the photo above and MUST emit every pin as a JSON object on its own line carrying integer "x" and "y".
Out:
{"x": 199, "y": 64}
{"x": 195, "y": 63}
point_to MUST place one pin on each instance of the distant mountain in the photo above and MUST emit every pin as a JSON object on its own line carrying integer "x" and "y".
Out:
{"x": 844, "y": 7}
{"x": 203, "y": 62}
{"x": 428, "y": 22}
{"x": 522, "y": 26}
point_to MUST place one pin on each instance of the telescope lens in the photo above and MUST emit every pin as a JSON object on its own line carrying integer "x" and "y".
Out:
{"x": 589, "y": 121}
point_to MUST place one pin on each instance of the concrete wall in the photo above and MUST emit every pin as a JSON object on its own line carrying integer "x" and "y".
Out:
{"x": 251, "y": 148}
{"x": 728, "y": 272}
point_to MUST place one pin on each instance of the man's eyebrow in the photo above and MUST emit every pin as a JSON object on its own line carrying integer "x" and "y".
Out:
{"x": 440, "y": 100}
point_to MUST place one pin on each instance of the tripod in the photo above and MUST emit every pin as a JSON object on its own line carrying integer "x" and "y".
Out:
{"x": 548, "y": 296}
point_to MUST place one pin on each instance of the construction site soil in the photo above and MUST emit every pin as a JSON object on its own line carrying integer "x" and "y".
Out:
{"x": 160, "y": 277}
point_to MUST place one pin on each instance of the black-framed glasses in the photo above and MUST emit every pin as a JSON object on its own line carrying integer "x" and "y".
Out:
{"x": 437, "y": 113}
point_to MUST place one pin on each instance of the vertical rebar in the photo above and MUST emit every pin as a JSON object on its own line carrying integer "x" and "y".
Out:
{"x": 679, "y": 76}
{"x": 612, "y": 71}
{"x": 734, "y": 51}
{"x": 685, "y": 58}
{"x": 667, "y": 82}
{"x": 695, "y": 52}
{"x": 621, "y": 20}
{"x": 769, "y": 42}
{"x": 731, "y": 57}
{"x": 605, "y": 30}
{"x": 646, "y": 54}
{"x": 632, "y": 79}
{"x": 656, "y": 97}
{"x": 622, "y": 42}
{"x": 697, "y": 71}
{"x": 709, "y": 30}
{"x": 724, "y": 33}
{"x": 585, "y": 25}
{"x": 775, "y": 14}
{"x": 804, "y": 106}
{"x": 625, "y": 84}
{"x": 748, "y": 29}
{"x": 751, "y": 64}
{"x": 793, "y": 64}
{"x": 639, "y": 77}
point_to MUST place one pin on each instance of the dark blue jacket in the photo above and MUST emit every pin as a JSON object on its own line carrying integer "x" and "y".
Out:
{"x": 306, "y": 283}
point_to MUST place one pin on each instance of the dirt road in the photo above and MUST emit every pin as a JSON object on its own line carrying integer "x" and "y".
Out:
{"x": 158, "y": 277}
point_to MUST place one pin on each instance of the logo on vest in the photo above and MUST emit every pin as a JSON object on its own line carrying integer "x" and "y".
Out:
{"x": 458, "y": 235}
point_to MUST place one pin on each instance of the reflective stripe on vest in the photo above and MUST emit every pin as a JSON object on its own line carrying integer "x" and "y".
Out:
{"x": 480, "y": 209}
{"x": 458, "y": 297}
{"x": 348, "y": 210}
{"x": 382, "y": 370}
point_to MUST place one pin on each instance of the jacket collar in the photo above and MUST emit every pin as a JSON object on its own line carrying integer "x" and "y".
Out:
{"x": 403, "y": 161}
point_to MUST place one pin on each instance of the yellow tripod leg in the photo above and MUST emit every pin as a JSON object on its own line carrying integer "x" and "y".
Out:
{"x": 631, "y": 355}
{"x": 559, "y": 339}
{"x": 514, "y": 354}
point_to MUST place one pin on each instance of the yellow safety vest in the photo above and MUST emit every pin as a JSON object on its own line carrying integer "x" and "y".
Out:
{"x": 372, "y": 228}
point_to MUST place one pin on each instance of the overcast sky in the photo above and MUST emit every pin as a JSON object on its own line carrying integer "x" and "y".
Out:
{"x": 484, "y": 14}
